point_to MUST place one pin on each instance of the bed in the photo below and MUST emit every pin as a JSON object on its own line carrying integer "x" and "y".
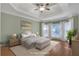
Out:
{"x": 33, "y": 41}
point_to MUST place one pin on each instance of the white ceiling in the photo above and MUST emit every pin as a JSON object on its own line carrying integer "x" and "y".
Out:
{"x": 26, "y": 10}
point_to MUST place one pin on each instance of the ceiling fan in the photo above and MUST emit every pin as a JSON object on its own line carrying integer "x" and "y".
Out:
{"x": 43, "y": 6}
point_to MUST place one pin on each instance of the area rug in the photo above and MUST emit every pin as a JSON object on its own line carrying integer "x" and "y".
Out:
{"x": 22, "y": 51}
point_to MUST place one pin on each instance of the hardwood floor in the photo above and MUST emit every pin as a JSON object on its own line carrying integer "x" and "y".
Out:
{"x": 61, "y": 49}
{"x": 0, "y": 51}
{"x": 5, "y": 51}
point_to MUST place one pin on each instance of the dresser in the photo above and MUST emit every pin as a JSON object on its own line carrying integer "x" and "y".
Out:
{"x": 75, "y": 47}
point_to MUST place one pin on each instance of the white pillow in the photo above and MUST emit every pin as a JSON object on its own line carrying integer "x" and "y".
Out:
{"x": 33, "y": 35}
{"x": 24, "y": 35}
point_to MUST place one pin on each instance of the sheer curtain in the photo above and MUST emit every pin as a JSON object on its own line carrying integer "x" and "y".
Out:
{"x": 45, "y": 30}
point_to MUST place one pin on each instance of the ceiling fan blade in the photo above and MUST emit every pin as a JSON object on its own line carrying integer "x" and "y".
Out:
{"x": 47, "y": 4}
{"x": 37, "y": 4}
{"x": 47, "y": 9}
{"x": 41, "y": 11}
{"x": 36, "y": 9}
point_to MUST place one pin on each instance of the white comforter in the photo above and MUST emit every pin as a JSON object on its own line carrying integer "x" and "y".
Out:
{"x": 31, "y": 40}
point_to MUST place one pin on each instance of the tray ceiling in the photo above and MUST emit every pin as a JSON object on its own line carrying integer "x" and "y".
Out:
{"x": 27, "y": 10}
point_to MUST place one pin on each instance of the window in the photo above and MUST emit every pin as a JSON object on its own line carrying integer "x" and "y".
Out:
{"x": 56, "y": 30}
{"x": 45, "y": 30}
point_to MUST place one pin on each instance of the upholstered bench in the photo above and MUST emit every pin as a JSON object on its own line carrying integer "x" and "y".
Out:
{"x": 42, "y": 43}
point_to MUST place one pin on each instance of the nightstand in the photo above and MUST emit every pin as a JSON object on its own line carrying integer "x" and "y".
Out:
{"x": 14, "y": 41}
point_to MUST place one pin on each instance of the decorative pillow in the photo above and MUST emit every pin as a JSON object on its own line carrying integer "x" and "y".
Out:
{"x": 24, "y": 35}
{"x": 27, "y": 34}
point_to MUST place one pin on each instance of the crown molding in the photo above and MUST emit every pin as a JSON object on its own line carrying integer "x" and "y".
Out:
{"x": 19, "y": 16}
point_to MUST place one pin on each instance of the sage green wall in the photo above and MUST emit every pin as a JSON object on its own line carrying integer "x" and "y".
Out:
{"x": 11, "y": 24}
{"x": 76, "y": 22}
{"x": 36, "y": 27}
{"x": 0, "y": 27}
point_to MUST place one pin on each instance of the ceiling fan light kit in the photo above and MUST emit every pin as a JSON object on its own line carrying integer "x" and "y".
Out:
{"x": 43, "y": 6}
{"x": 42, "y": 9}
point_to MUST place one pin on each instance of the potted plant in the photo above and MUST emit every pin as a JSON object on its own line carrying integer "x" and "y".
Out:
{"x": 70, "y": 35}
